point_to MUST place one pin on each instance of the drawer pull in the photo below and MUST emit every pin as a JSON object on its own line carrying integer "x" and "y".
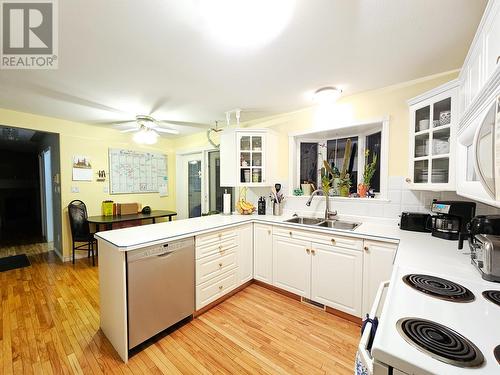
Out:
{"x": 220, "y": 287}
{"x": 366, "y": 248}
{"x": 290, "y": 234}
{"x": 333, "y": 241}
{"x": 308, "y": 251}
{"x": 220, "y": 265}
{"x": 313, "y": 252}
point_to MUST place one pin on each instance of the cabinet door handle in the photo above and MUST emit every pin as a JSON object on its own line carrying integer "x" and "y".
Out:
{"x": 308, "y": 251}
{"x": 366, "y": 248}
{"x": 220, "y": 265}
{"x": 333, "y": 241}
{"x": 408, "y": 179}
{"x": 290, "y": 234}
{"x": 313, "y": 252}
{"x": 220, "y": 287}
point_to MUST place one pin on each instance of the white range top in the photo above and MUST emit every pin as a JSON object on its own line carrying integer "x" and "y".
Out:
{"x": 478, "y": 321}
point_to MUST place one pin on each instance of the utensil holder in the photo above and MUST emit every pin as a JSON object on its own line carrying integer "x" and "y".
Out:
{"x": 277, "y": 209}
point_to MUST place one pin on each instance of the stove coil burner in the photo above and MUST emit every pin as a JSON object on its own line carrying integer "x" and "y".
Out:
{"x": 440, "y": 342}
{"x": 439, "y": 288}
{"x": 492, "y": 296}
{"x": 496, "y": 353}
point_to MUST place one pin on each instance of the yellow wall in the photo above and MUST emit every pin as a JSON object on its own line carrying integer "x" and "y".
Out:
{"x": 92, "y": 141}
{"x": 390, "y": 101}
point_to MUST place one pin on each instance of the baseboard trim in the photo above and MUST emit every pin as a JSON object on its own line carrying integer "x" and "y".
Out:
{"x": 330, "y": 310}
{"x": 221, "y": 299}
{"x": 278, "y": 290}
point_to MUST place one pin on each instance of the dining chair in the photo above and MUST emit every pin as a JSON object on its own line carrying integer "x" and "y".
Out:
{"x": 80, "y": 230}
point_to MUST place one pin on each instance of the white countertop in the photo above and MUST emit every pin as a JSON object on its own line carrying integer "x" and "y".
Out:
{"x": 127, "y": 239}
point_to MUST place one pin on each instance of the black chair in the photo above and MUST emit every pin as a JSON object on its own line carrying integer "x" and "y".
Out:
{"x": 80, "y": 229}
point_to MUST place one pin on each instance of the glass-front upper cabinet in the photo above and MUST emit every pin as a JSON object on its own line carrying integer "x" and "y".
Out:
{"x": 433, "y": 119}
{"x": 246, "y": 157}
{"x": 250, "y": 158}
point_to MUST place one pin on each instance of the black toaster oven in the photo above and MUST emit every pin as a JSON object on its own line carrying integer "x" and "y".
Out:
{"x": 415, "y": 222}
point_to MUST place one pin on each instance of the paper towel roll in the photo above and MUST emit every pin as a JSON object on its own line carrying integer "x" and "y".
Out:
{"x": 227, "y": 203}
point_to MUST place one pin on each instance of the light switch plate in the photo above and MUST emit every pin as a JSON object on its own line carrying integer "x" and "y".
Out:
{"x": 75, "y": 189}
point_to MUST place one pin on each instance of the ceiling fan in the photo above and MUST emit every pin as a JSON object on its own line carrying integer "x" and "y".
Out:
{"x": 146, "y": 129}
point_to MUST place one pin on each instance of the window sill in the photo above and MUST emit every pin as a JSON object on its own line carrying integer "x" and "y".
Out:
{"x": 343, "y": 199}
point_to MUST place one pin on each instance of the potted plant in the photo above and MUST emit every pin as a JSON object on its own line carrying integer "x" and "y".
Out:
{"x": 345, "y": 178}
{"x": 370, "y": 169}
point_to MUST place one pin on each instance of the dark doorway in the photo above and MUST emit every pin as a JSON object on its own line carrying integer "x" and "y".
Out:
{"x": 20, "y": 205}
{"x": 29, "y": 167}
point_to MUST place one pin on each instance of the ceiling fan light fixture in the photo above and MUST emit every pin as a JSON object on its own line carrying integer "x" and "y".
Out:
{"x": 327, "y": 94}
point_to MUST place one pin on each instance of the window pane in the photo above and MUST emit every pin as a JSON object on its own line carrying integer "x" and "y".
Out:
{"x": 335, "y": 155}
{"x": 373, "y": 142}
{"x": 194, "y": 188}
{"x": 309, "y": 163}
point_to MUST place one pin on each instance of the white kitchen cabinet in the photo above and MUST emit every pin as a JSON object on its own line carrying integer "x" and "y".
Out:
{"x": 245, "y": 253}
{"x": 247, "y": 157}
{"x": 378, "y": 260}
{"x": 433, "y": 119}
{"x": 492, "y": 40}
{"x": 263, "y": 253}
{"x": 337, "y": 276}
{"x": 292, "y": 265}
{"x": 482, "y": 60}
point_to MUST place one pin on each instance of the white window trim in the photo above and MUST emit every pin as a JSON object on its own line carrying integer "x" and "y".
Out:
{"x": 294, "y": 151}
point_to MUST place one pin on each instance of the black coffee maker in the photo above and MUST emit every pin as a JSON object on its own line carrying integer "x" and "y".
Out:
{"x": 450, "y": 219}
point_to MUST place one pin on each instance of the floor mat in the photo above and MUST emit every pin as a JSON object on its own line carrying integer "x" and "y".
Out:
{"x": 13, "y": 262}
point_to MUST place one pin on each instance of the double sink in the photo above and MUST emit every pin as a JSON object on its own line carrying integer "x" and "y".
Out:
{"x": 316, "y": 222}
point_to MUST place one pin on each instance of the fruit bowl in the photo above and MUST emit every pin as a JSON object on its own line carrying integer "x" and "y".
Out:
{"x": 245, "y": 208}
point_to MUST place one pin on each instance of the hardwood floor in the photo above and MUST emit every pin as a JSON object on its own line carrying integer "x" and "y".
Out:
{"x": 49, "y": 323}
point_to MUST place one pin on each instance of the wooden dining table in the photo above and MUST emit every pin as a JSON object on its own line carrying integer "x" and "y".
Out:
{"x": 108, "y": 221}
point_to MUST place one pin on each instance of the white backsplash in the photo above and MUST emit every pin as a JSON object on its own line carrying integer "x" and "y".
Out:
{"x": 399, "y": 198}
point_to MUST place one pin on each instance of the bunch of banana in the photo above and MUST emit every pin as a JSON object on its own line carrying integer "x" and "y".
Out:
{"x": 242, "y": 205}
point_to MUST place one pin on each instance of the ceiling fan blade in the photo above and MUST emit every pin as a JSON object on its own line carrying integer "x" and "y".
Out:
{"x": 129, "y": 130}
{"x": 116, "y": 123}
{"x": 157, "y": 105}
{"x": 65, "y": 97}
{"x": 184, "y": 123}
{"x": 165, "y": 130}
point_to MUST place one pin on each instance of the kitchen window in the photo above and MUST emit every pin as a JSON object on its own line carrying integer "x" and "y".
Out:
{"x": 312, "y": 149}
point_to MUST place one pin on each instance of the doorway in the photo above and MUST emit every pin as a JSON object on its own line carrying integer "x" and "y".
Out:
{"x": 30, "y": 206}
{"x": 198, "y": 184}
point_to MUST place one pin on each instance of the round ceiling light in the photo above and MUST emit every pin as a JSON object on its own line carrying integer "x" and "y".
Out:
{"x": 243, "y": 23}
{"x": 328, "y": 94}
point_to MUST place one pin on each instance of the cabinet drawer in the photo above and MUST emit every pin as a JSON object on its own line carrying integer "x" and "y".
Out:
{"x": 214, "y": 265}
{"x": 219, "y": 247}
{"x": 326, "y": 239}
{"x": 215, "y": 288}
{"x": 215, "y": 237}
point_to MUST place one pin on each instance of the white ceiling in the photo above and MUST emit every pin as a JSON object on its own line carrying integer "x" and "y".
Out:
{"x": 119, "y": 58}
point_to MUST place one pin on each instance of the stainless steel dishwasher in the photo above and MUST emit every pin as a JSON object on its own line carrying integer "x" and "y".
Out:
{"x": 160, "y": 282}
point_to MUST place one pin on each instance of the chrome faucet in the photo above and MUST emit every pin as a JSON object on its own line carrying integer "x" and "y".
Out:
{"x": 329, "y": 215}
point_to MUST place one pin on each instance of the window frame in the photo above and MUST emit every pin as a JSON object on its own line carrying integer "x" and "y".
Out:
{"x": 360, "y": 130}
